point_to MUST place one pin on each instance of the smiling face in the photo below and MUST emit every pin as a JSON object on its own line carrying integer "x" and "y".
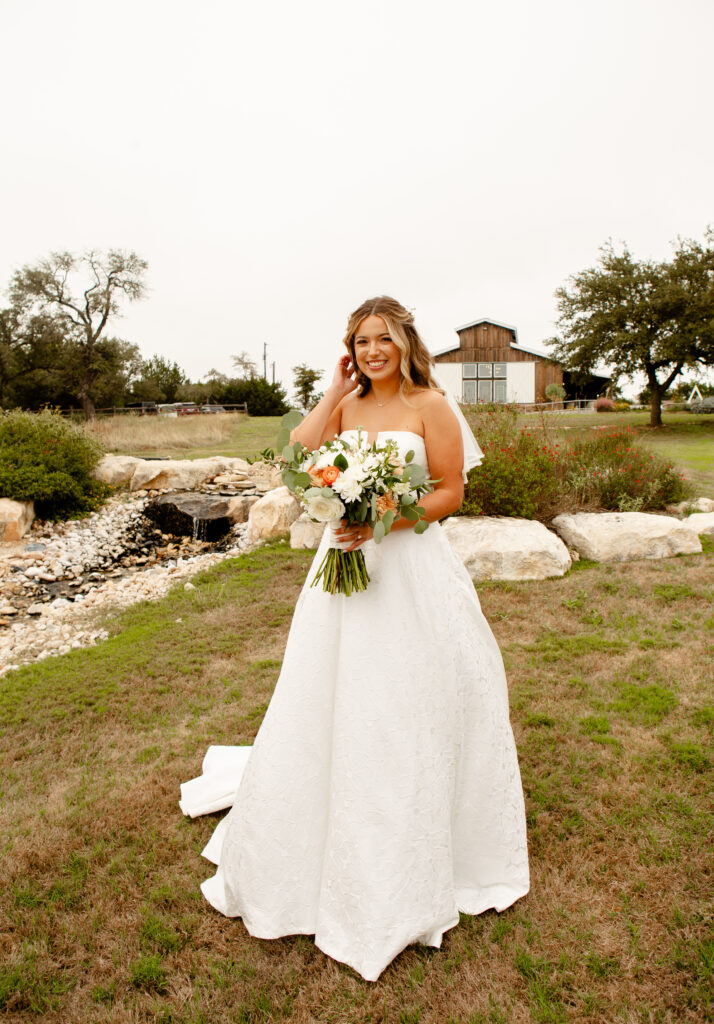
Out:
{"x": 377, "y": 356}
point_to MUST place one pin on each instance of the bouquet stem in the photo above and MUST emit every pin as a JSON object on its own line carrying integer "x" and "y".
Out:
{"x": 342, "y": 572}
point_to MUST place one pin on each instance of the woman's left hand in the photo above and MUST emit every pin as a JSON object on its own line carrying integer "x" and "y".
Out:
{"x": 352, "y": 535}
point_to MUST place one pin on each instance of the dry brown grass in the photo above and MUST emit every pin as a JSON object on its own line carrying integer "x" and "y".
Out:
{"x": 610, "y": 678}
{"x": 134, "y": 434}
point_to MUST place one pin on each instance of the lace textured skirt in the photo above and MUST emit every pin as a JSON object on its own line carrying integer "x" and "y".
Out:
{"x": 382, "y": 794}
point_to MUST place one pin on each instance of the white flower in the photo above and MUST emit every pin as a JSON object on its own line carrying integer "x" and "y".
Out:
{"x": 323, "y": 508}
{"x": 348, "y": 485}
{"x": 325, "y": 459}
{"x": 401, "y": 488}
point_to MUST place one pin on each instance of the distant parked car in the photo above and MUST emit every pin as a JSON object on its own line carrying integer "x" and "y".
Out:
{"x": 212, "y": 408}
{"x": 706, "y": 405}
{"x": 187, "y": 409}
{"x": 167, "y": 409}
{"x": 143, "y": 408}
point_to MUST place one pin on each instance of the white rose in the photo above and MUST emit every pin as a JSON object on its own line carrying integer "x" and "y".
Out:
{"x": 322, "y": 508}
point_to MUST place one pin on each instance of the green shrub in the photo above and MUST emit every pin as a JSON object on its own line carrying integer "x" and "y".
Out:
{"x": 526, "y": 473}
{"x": 518, "y": 475}
{"x": 48, "y": 460}
{"x": 611, "y": 471}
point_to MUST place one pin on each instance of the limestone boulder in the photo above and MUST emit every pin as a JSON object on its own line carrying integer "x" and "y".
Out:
{"x": 265, "y": 476}
{"x": 174, "y": 474}
{"x": 116, "y": 470}
{"x": 703, "y": 505}
{"x": 273, "y": 514}
{"x": 501, "y": 548}
{"x": 15, "y": 519}
{"x": 304, "y": 533}
{"x": 702, "y": 522}
{"x": 626, "y": 536}
{"x": 239, "y": 507}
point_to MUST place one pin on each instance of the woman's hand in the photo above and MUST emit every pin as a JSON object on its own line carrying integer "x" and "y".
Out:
{"x": 342, "y": 380}
{"x": 352, "y": 535}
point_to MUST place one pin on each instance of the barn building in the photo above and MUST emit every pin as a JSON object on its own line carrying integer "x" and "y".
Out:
{"x": 488, "y": 365}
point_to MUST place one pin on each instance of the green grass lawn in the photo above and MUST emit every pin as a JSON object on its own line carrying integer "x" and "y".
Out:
{"x": 610, "y": 674}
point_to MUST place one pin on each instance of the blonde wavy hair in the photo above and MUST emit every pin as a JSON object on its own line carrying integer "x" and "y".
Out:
{"x": 415, "y": 363}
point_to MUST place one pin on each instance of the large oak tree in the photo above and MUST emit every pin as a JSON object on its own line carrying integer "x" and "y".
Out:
{"x": 82, "y": 294}
{"x": 652, "y": 317}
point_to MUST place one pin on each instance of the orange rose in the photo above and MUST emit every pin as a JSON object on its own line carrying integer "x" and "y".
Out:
{"x": 386, "y": 503}
{"x": 315, "y": 475}
{"x": 330, "y": 474}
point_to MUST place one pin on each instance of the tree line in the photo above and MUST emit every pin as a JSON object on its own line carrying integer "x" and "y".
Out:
{"x": 636, "y": 317}
{"x": 56, "y": 349}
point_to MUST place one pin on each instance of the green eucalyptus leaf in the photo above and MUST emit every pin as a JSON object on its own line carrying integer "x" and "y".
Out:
{"x": 388, "y": 520}
{"x": 407, "y": 499}
{"x": 283, "y": 439}
{"x": 379, "y": 532}
{"x": 288, "y": 453}
{"x": 421, "y": 526}
{"x": 291, "y": 420}
{"x": 411, "y": 514}
{"x": 303, "y": 479}
{"x": 409, "y": 456}
{"x": 312, "y": 492}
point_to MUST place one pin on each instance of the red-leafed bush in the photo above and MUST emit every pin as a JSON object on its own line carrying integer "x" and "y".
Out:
{"x": 604, "y": 405}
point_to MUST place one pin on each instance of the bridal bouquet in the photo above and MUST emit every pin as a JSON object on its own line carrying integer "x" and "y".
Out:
{"x": 360, "y": 483}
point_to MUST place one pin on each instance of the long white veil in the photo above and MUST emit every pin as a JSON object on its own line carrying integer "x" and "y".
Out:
{"x": 473, "y": 456}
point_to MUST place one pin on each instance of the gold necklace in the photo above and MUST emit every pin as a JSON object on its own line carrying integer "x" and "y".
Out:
{"x": 380, "y": 405}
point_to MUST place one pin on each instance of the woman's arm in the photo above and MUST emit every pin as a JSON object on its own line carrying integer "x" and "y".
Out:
{"x": 324, "y": 421}
{"x": 445, "y": 454}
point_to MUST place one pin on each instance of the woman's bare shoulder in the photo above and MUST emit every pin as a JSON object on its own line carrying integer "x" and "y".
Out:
{"x": 428, "y": 400}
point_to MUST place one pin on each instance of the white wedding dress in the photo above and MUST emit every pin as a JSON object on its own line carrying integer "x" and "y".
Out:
{"x": 382, "y": 794}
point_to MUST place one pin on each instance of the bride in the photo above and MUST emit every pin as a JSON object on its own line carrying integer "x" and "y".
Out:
{"x": 382, "y": 794}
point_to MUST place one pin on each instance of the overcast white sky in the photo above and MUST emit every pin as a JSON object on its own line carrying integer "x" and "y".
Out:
{"x": 279, "y": 161}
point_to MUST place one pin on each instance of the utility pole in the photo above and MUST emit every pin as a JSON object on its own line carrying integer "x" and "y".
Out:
{"x": 273, "y": 371}
{"x": 265, "y": 365}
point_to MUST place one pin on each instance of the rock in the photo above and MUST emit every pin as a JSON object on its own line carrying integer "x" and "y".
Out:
{"x": 501, "y": 548}
{"x": 36, "y": 609}
{"x": 273, "y": 514}
{"x": 201, "y": 516}
{"x": 116, "y": 470}
{"x": 304, "y": 533}
{"x": 15, "y": 519}
{"x": 240, "y": 506}
{"x": 702, "y": 522}
{"x": 265, "y": 476}
{"x": 6, "y": 608}
{"x": 182, "y": 474}
{"x": 624, "y": 536}
{"x": 685, "y": 507}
